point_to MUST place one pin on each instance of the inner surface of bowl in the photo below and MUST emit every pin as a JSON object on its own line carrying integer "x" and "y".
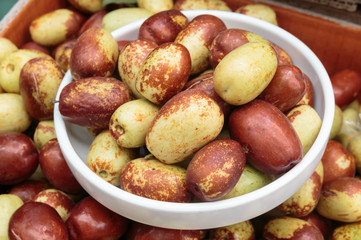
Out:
{"x": 75, "y": 142}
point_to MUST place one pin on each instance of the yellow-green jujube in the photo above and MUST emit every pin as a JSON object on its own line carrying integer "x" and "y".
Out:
{"x": 9, "y": 203}
{"x": 6, "y": 47}
{"x": 130, "y": 122}
{"x": 337, "y": 122}
{"x": 13, "y": 114}
{"x": 183, "y": 125}
{"x": 347, "y": 231}
{"x": 44, "y": 131}
{"x": 340, "y": 200}
{"x": 106, "y": 158}
{"x": 307, "y": 123}
{"x": 11, "y": 65}
{"x": 155, "y": 6}
{"x": 250, "y": 180}
{"x": 88, "y": 6}
{"x": 123, "y": 16}
{"x": 55, "y": 27}
{"x": 245, "y": 72}
{"x": 260, "y": 11}
{"x": 354, "y": 147}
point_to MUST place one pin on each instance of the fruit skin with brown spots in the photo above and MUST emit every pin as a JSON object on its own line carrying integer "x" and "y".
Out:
{"x": 337, "y": 161}
{"x": 347, "y": 231}
{"x": 130, "y": 61}
{"x": 242, "y": 230}
{"x": 228, "y": 40}
{"x": 44, "y": 131}
{"x": 290, "y": 228}
{"x": 164, "y": 72}
{"x": 163, "y": 27}
{"x": 215, "y": 169}
{"x": 340, "y": 200}
{"x": 196, "y": 120}
{"x": 57, "y": 199}
{"x": 204, "y": 82}
{"x": 90, "y": 102}
{"x": 305, "y": 200}
{"x": 309, "y": 96}
{"x": 106, "y": 158}
{"x": 38, "y": 83}
{"x": 35, "y": 46}
{"x": 153, "y": 179}
{"x": 95, "y": 54}
{"x": 282, "y": 56}
{"x": 62, "y": 53}
{"x": 197, "y": 37}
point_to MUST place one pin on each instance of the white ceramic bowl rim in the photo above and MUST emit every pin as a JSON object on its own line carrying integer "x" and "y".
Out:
{"x": 251, "y": 203}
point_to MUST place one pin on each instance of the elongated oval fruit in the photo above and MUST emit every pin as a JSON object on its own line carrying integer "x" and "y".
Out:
{"x": 153, "y": 179}
{"x": 215, "y": 169}
{"x": 340, "y": 200}
{"x": 13, "y": 114}
{"x": 106, "y": 158}
{"x": 11, "y": 66}
{"x": 228, "y": 40}
{"x": 90, "y": 102}
{"x": 122, "y": 16}
{"x": 9, "y": 203}
{"x": 38, "y": 83}
{"x": 290, "y": 228}
{"x": 163, "y": 27}
{"x": 131, "y": 59}
{"x": 307, "y": 123}
{"x": 36, "y": 220}
{"x": 164, "y": 72}
{"x": 183, "y": 125}
{"x": 245, "y": 72}
{"x": 267, "y": 136}
{"x": 286, "y": 89}
{"x": 197, "y": 37}
{"x": 95, "y": 54}
{"x": 130, "y": 122}
{"x": 55, "y": 27}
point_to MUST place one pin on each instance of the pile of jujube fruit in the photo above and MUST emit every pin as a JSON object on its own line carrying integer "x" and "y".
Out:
{"x": 189, "y": 111}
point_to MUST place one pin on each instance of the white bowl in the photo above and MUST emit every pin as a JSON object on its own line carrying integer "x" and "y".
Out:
{"x": 75, "y": 141}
